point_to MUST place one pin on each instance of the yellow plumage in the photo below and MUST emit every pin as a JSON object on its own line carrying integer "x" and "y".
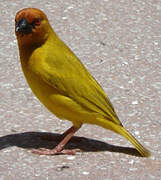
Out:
{"x": 62, "y": 83}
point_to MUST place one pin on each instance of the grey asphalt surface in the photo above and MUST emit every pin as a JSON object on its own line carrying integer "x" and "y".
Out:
{"x": 119, "y": 41}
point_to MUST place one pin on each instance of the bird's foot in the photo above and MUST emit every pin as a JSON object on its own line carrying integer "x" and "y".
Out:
{"x": 44, "y": 151}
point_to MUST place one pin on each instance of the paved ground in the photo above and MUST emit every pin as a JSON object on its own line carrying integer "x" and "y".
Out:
{"x": 119, "y": 41}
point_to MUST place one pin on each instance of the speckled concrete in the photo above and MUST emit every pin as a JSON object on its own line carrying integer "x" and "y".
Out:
{"x": 119, "y": 41}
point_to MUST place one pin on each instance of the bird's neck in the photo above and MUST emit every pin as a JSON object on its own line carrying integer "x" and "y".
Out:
{"x": 27, "y": 50}
{"x": 25, "y": 53}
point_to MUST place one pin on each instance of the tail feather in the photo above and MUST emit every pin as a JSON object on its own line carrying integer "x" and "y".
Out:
{"x": 142, "y": 150}
{"x": 122, "y": 131}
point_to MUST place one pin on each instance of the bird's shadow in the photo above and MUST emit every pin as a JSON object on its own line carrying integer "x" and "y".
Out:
{"x": 35, "y": 140}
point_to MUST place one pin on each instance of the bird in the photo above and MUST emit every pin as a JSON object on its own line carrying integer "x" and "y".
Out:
{"x": 62, "y": 83}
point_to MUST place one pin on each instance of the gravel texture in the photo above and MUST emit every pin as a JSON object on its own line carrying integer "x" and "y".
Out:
{"x": 119, "y": 41}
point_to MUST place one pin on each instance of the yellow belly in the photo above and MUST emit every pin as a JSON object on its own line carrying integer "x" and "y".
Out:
{"x": 60, "y": 105}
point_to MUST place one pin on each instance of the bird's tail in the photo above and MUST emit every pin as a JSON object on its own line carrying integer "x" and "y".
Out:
{"x": 122, "y": 131}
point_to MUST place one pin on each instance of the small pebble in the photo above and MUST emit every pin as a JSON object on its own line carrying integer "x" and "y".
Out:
{"x": 134, "y": 102}
{"x": 85, "y": 173}
{"x": 137, "y": 132}
{"x": 131, "y": 161}
{"x": 71, "y": 157}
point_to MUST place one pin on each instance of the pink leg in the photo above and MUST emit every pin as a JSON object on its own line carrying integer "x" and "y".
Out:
{"x": 59, "y": 149}
{"x": 58, "y": 138}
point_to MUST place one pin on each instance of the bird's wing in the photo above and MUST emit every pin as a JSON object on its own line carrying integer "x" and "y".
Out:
{"x": 65, "y": 72}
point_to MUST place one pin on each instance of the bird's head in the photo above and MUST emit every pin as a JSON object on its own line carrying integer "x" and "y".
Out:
{"x": 31, "y": 27}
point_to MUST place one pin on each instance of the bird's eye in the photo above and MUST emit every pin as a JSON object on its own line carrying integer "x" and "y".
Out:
{"x": 37, "y": 22}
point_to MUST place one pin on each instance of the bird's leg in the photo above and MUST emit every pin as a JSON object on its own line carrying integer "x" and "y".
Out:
{"x": 57, "y": 138}
{"x": 60, "y": 137}
{"x": 59, "y": 149}
{"x": 69, "y": 131}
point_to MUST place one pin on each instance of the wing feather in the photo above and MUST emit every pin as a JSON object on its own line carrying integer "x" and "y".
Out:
{"x": 69, "y": 76}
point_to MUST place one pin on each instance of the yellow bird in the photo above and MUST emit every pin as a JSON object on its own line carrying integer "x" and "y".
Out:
{"x": 61, "y": 82}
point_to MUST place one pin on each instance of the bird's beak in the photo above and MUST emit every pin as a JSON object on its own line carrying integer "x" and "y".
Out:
{"x": 23, "y": 26}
